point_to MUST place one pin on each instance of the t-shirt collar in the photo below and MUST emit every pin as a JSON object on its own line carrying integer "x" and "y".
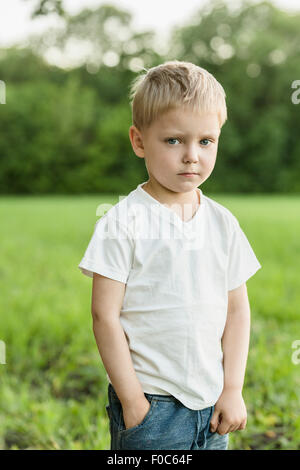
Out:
{"x": 170, "y": 214}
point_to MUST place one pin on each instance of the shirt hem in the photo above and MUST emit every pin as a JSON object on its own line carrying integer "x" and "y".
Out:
{"x": 238, "y": 283}
{"x": 187, "y": 403}
{"x": 192, "y": 404}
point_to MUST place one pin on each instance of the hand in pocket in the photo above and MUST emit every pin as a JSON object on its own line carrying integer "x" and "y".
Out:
{"x": 135, "y": 413}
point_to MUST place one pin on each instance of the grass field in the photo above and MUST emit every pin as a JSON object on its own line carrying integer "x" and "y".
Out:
{"x": 53, "y": 385}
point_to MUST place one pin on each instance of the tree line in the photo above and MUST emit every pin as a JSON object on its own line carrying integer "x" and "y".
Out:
{"x": 65, "y": 130}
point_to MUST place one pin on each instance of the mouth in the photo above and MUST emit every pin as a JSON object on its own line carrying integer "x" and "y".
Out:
{"x": 188, "y": 174}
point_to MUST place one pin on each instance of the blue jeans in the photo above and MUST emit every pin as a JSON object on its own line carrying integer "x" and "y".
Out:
{"x": 167, "y": 425}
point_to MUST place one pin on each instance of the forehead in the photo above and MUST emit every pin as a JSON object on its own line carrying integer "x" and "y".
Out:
{"x": 188, "y": 122}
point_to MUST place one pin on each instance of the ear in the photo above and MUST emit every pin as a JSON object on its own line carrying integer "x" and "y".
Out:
{"x": 136, "y": 140}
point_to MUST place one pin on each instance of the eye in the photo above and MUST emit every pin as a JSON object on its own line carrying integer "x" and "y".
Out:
{"x": 207, "y": 142}
{"x": 171, "y": 138}
{"x": 204, "y": 142}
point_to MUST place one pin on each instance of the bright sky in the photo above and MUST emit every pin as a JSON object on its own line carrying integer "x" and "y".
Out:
{"x": 15, "y": 22}
{"x": 158, "y": 15}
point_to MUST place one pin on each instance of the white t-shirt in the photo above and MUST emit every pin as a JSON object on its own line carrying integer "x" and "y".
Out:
{"x": 177, "y": 277}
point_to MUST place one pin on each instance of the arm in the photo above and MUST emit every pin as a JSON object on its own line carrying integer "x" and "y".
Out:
{"x": 107, "y": 298}
{"x": 235, "y": 344}
{"x": 235, "y": 340}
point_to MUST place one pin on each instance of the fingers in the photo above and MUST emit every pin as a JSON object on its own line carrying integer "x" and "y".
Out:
{"x": 225, "y": 427}
{"x": 215, "y": 420}
{"x": 242, "y": 425}
{"x": 218, "y": 424}
{"x": 222, "y": 426}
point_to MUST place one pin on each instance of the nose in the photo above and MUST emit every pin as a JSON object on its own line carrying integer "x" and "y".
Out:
{"x": 191, "y": 154}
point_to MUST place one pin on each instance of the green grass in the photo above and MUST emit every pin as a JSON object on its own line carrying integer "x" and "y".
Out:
{"x": 53, "y": 385}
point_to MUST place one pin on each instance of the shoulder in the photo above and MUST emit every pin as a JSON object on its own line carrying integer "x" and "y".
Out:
{"x": 221, "y": 215}
{"x": 121, "y": 214}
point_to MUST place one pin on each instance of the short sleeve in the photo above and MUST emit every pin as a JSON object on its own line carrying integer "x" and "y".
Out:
{"x": 109, "y": 252}
{"x": 242, "y": 263}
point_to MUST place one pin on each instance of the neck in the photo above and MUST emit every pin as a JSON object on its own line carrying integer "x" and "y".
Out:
{"x": 169, "y": 197}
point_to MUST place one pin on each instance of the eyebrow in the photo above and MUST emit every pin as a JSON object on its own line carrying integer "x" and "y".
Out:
{"x": 206, "y": 133}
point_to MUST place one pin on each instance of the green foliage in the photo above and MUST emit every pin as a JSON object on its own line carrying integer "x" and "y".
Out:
{"x": 66, "y": 131}
{"x": 44, "y": 7}
{"x": 258, "y": 150}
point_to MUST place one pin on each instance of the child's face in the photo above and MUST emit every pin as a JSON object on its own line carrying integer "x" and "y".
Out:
{"x": 180, "y": 141}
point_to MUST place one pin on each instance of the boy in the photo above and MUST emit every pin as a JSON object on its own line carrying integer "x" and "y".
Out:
{"x": 170, "y": 309}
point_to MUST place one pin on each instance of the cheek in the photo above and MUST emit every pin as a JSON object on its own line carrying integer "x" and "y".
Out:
{"x": 171, "y": 162}
{"x": 211, "y": 163}
{"x": 207, "y": 164}
{"x": 161, "y": 163}
{"x": 210, "y": 157}
{"x": 166, "y": 159}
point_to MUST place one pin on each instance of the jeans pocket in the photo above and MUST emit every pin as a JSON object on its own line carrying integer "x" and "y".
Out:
{"x": 146, "y": 420}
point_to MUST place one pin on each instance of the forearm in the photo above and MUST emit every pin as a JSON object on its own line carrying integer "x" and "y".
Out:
{"x": 115, "y": 355}
{"x": 235, "y": 345}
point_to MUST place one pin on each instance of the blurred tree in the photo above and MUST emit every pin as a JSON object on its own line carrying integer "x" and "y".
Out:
{"x": 251, "y": 49}
{"x": 66, "y": 130}
{"x": 100, "y": 36}
{"x": 44, "y": 7}
{"x": 19, "y": 65}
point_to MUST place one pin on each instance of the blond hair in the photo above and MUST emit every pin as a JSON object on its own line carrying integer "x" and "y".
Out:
{"x": 171, "y": 85}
